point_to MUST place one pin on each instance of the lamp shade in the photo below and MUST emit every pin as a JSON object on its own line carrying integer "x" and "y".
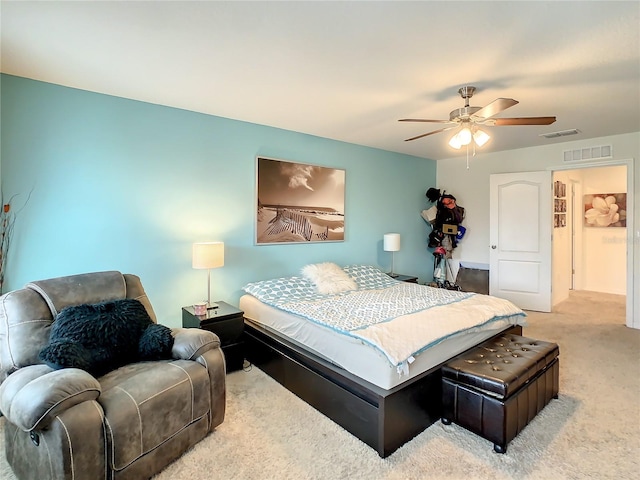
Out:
{"x": 391, "y": 242}
{"x": 208, "y": 255}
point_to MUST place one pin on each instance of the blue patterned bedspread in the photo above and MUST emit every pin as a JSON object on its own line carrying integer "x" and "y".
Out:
{"x": 400, "y": 319}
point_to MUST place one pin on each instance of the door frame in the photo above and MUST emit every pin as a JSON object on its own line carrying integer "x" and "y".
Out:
{"x": 632, "y": 303}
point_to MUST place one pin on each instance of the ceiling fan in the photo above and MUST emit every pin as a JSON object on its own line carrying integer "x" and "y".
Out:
{"x": 467, "y": 120}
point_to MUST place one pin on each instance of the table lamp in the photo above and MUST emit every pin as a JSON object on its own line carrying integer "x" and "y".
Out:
{"x": 208, "y": 255}
{"x": 391, "y": 244}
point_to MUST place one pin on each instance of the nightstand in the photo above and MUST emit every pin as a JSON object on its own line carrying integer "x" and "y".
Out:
{"x": 406, "y": 278}
{"x": 227, "y": 322}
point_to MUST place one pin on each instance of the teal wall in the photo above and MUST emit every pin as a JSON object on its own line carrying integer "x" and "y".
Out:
{"x": 126, "y": 185}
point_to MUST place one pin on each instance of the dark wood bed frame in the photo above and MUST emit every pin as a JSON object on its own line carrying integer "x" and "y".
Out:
{"x": 383, "y": 419}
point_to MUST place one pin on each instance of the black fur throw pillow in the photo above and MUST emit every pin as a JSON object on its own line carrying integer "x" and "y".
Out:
{"x": 102, "y": 337}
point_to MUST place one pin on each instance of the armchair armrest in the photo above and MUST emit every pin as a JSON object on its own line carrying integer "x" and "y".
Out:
{"x": 32, "y": 396}
{"x": 190, "y": 343}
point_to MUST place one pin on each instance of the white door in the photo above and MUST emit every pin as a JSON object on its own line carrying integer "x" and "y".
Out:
{"x": 520, "y": 239}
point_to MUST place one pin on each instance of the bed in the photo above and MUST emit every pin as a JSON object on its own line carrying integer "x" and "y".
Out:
{"x": 365, "y": 349}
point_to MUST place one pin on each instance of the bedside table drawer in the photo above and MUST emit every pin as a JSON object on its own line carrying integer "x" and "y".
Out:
{"x": 229, "y": 330}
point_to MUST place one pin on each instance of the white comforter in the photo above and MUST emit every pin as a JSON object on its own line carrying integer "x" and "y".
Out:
{"x": 407, "y": 335}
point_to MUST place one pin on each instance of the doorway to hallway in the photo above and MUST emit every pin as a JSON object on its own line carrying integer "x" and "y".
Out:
{"x": 594, "y": 258}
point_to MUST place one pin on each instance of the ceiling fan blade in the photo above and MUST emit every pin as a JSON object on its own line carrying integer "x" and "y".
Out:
{"x": 523, "y": 121}
{"x": 495, "y": 107}
{"x": 431, "y": 133}
{"x": 424, "y": 120}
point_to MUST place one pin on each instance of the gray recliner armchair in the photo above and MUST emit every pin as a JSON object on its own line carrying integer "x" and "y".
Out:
{"x": 127, "y": 424}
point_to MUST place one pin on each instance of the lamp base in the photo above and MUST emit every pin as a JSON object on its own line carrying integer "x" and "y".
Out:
{"x": 212, "y": 306}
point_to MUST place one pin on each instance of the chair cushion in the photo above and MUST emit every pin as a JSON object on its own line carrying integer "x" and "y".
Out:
{"x": 147, "y": 403}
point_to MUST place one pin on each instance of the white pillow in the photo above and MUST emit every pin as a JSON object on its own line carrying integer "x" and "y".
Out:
{"x": 328, "y": 278}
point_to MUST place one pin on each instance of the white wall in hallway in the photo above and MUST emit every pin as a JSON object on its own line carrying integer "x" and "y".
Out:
{"x": 604, "y": 249}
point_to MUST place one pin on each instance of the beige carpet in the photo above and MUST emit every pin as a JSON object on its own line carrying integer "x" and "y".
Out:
{"x": 591, "y": 431}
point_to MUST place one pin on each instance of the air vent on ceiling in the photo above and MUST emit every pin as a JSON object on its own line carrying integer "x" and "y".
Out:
{"x": 588, "y": 153}
{"x": 561, "y": 133}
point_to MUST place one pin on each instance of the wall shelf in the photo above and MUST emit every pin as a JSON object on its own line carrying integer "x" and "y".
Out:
{"x": 559, "y": 204}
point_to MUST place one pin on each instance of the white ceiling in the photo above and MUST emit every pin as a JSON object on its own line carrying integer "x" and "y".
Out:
{"x": 346, "y": 70}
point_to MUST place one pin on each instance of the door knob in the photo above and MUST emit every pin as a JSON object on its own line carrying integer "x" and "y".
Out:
{"x": 493, "y": 247}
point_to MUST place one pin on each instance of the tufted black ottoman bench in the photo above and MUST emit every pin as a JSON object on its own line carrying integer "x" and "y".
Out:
{"x": 495, "y": 389}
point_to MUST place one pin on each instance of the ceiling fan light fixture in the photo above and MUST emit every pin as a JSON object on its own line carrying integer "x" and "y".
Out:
{"x": 463, "y": 137}
{"x": 455, "y": 141}
{"x": 480, "y": 137}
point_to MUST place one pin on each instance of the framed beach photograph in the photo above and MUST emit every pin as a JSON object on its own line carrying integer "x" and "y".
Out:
{"x": 298, "y": 202}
